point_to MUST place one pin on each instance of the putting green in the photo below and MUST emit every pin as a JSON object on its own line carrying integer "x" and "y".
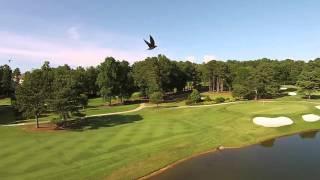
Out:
{"x": 272, "y": 108}
{"x": 132, "y": 145}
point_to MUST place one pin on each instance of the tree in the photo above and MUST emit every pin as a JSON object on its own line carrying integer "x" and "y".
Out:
{"x": 115, "y": 79}
{"x": 146, "y": 75}
{"x": 6, "y": 80}
{"x": 240, "y": 91}
{"x": 190, "y": 77}
{"x": 125, "y": 80}
{"x": 243, "y": 86}
{"x": 16, "y": 75}
{"x": 309, "y": 81}
{"x": 107, "y": 78}
{"x": 31, "y": 95}
{"x": 91, "y": 75}
{"x": 156, "y": 98}
{"x": 65, "y": 97}
{"x": 83, "y": 100}
{"x": 80, "y": 80}
{"x": 159, "y": 74}
{"x": 216, "y": 74}
{"x": 263, "y": 81}
{"x": 258, "y": 80}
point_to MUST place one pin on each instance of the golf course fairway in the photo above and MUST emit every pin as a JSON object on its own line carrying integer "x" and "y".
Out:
{"x": 136, "y": 144}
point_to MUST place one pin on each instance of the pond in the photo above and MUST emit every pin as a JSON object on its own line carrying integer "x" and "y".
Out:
{"x": 291, "y": 157}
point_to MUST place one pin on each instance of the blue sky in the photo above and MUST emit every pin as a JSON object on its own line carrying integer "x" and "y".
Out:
{"x": 80, "y": 32}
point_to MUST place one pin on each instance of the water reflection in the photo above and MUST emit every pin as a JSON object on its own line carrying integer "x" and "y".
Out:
{"x": 308, "y": 135}
{"x": 268, "y": 143}
{"x": 293, "y": 157}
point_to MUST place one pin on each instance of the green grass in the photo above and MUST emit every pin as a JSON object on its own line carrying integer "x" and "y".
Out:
{"x": 170, "y": 104}
{"x": 214, "y": 95}
{"x": 5, "y": 101}
{"x": 109, "y": 109}
{"x": 98, "y": 106}
{"x": 96, "y": 102}
{"x": 132, "y": 145}
{"x": 95, "y": 106}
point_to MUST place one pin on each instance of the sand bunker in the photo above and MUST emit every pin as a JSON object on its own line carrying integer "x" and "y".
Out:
{"x": 318, "y": 107}
{"x": 292, "y": 93}
{"x": 272, "y": 122}
{"x": 283, "y": 88}
{"x": 311, "y": 118}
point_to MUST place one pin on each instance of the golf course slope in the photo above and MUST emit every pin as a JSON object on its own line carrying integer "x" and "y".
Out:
{"x": 128, "y": 146}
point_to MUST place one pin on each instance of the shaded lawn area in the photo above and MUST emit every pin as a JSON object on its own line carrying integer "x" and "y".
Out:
{"x": 99, "y": 101}
{"x": 92, "y": 123}
{"x": 132, "y": 145}
{"x": 299, "y": 97}
{"x": 7, "y": 114}
{"x": 95, "y": 106}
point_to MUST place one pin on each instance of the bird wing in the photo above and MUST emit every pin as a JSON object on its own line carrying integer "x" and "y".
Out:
{"x": 152, "y": 41}
{"x": 149, "y": 44}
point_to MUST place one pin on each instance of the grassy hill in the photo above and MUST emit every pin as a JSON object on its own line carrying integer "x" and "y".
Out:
{"x": 132, "y": 145}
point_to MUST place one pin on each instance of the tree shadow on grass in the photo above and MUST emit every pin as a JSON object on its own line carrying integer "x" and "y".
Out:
{"x": 268, "y": 143}
{"x": 312, "y": 97}
{"x": 93, "y": 123}
{"x": 91, "y": 107}
{"x": 7, "y": 114}
{"x": 308, "y": 135}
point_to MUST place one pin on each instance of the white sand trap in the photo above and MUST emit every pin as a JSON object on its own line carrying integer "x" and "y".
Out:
{"x": 292, "y": 93}
{"x": 283, "y": 88}
{"x": 311, "y": 118}
{"x": 318, "y": 107}
{"x": 272, "y": 122}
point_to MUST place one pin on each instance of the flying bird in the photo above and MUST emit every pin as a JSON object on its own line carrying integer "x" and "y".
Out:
{"x": 150, "y": 44}
{"x": 10, "y": 60}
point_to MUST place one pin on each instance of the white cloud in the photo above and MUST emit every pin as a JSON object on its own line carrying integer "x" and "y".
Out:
{"x": 73, "y": 33}
{"x": 61, "y": 51}
{"x": 207, "y": 58}
{"x": 191, "y": 58}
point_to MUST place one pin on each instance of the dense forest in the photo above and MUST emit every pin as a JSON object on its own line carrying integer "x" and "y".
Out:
{"x": 64, "y": 89}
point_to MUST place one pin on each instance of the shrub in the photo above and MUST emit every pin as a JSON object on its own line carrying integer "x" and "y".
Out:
{"x": 156, "y": 98}
{"x": 136, "y": 95}
{"x": 240, "y": 91}
{"x": 219, "y": 100}
{"x": 194, "y": 97}
{"x": 57, "y": 121}
{"x": 207, "y": 98}
{"x": 188, "y": 102}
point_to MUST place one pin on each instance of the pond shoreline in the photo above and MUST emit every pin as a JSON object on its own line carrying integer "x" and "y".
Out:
{"x": 172, "y": 165}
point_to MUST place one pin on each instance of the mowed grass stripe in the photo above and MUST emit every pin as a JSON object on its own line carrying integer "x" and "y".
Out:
{"x": 132, "y": 149}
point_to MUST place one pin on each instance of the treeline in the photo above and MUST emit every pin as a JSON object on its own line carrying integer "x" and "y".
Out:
{"x": 65, "y": 90}
{"x": 8, "y": 80}
{"x": 62, "y": 90}
{"x": 113, "y": 78}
